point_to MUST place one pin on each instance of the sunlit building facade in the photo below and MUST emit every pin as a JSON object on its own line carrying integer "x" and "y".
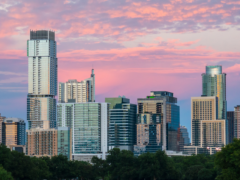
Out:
{"x": 42, "y": 79}
{"x": 158, "y": 123}
{"x": 122, "y": 124}
{"x": 237, "y": 122}
{"x": 77, "y": 92}
{"x": 89, "y": 124}
{"x": 207, "y": 130}
{"x": 13, "y": 131}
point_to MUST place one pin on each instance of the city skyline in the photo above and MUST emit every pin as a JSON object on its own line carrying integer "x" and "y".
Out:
{"x": 126, "y": 52}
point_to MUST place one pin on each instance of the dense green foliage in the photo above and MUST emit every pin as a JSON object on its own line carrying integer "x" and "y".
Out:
{"x": 123, "y": 165}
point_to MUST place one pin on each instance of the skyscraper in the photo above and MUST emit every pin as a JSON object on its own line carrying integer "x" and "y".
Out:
{"x": 122, "y": 124}
{"x": 158, "y": 122}
{"x": 208, "y": 132}
{"x": 89, "y": 124}
{"x": 13, "y": 131}
{"x": 230, "y": 118}
{"x": 42, "y": 79}
{"x": 237, "y": 122}
{"x": 214, "y": 84}
{"x": 184, "y": 132}
{"x": 1, "y": 120}
{"x": 77, "y": 92}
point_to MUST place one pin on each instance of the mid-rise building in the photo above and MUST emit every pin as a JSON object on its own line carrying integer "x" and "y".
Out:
{"x": 89, "y": 124}
{"x": 1, "y": 120}
{"x": 230, "y": 118}
{"x": 77, "y": 92}
{"x": 208, "y": 132}
{"x": 42, "y": 79}
{"x": 13, "y": 131}
{"x": 237, "y": 122}
{"x": 185, "y": 135}
{"x": 122, "y": 124}
{"x": 49, "y": 142}
{"x": 158, "y": 123}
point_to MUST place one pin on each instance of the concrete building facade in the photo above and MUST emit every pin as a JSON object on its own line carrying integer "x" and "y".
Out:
{"x": 77, "y": 92}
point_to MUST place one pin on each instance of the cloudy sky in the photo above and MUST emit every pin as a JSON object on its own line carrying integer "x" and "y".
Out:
{"x": 135, "y": 46}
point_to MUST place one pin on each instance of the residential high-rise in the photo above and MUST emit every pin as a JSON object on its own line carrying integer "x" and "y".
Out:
{"x": 122, "y": 125}
{"x": 89, "y": 123}
{"x": 237, "y": 122}
{"x": 1, "y": 120}
{"x": 158, "y": 123}
{"x": 49, "y": 142}
{"x": 42, "y": 79}
{"x": 77, "y": 92}
{"x": 230, "y": 118}
{"x": 13, "y": 131}
{"x": 208, "y": 132}
{"x": 214, "y": 84}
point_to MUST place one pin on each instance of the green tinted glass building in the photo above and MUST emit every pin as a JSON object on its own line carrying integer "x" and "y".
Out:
{"x": 122, "y": 125}
{"x": 214, "y": 84}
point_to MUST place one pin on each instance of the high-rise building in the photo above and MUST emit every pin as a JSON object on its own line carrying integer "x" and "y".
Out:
{"x": 42, "y": 142}
{"x": 65, "y": 141}
{"x": 230, "y": 118}
{"x": 1, "y": 120}
{"x": 214, "y": 84}
{"x": 158, "y": 123}
{"x": 185, "y": 135}
{"x": 208, "y": 132}
{"x": 122, "y": 124}
{"x": 42, "y": 79}
{"x": 89, "y": 123}
{"x": 77, "y": 92}
{"x": 13, "y": 131}
{"x": 237, "y": 122}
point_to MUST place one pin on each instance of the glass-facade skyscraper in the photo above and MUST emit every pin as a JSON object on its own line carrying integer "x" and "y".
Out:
{"x": 89, "y": 124}
{"x": 158, "y": 122}
{"x": 214, "y": 84}
{"x": 122, "y": 124}
{"x": 42, "y": 79}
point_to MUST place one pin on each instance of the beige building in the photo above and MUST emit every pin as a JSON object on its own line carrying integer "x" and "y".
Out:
{"x": 77, "y": 92}
{"x": 42, "y": 142}
{"x": 208, "y": 132}
{"x": 49, "y": 142}
{"x": 237, "y": 122}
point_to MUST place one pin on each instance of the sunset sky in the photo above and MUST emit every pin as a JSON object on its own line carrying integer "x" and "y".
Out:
{"x": 135, "y": 46}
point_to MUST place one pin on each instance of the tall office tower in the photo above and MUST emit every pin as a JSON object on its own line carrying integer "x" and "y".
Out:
{"x": 1, "y": 120}
{"x": 42, "y": 79}
{"x": 237, "y": 122}
{"x": 185, "y": 135}
{"x": 214, "y": 84}
{"x": 158, "y": 123}
{"x": 77, "y": 92}
{"x": 208, "y": 132}
{"x": 89, "y": 124}
{"x": 122, "y": 125}
{"x": 230, "y": 118}
{"x": 49, "y": 142}
{"x": 13, "y": 131}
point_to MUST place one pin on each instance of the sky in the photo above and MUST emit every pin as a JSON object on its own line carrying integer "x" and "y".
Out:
{"x": 135, "y": 46}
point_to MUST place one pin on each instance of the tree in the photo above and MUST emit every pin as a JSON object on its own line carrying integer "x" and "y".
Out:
{"x": 100, "y": 167}
{"x": 192, "y": 172}
{"x": 228, "y": 159}
{"x": 4, "y": 175}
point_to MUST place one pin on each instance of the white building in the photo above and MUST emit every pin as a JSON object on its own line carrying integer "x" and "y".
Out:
{"x": 42, "y": 79}
{"x": 89, "y": 123}
{"x": 77, "y": 92}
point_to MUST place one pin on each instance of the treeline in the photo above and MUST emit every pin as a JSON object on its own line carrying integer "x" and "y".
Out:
{"x": 123, "y": 165}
